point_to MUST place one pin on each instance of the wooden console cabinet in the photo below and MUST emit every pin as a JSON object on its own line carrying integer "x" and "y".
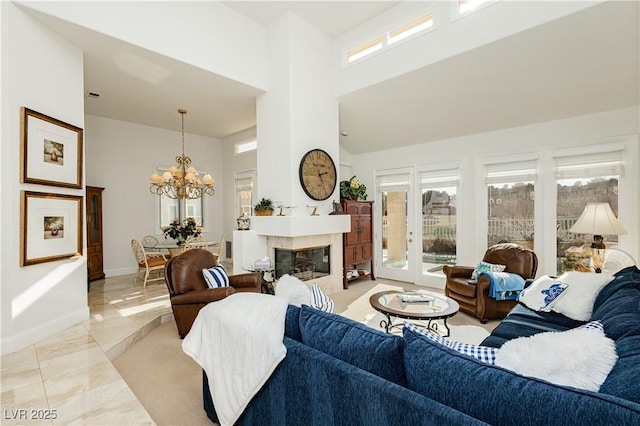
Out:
{"x": 358, "y": 243}
{"x": 95, "y": 254}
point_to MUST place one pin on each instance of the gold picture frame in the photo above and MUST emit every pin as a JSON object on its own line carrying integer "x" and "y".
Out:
{"x": 50, "y": 150}
{"x": 50, "y": 227}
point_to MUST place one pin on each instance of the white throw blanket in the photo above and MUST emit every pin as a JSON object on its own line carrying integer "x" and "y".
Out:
{"x": 238, "y": 343}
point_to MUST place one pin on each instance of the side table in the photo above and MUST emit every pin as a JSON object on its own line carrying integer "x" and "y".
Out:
{"x": 268, "y": 277}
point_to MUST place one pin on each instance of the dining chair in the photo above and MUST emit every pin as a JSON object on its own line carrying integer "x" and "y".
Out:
{"x": 149, "y": 241}
{"x": 148, "y": 261}
{"x": 220, "y": 247}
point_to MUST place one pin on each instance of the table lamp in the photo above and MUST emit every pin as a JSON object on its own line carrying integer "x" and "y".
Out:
{"x": 598, "y": 219}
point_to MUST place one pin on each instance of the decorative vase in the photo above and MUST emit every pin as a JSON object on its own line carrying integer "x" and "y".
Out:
{"x": 243, "y": 222}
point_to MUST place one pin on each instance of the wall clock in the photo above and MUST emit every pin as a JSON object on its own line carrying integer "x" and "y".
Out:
{"x": 317, "y": 174}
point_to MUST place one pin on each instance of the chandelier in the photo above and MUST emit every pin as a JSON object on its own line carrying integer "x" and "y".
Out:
{"x": 182, "y": 182}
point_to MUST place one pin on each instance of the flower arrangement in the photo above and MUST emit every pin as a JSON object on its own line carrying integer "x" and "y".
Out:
{"x": 353, "y": 189}
{"x": 180, "y": 231}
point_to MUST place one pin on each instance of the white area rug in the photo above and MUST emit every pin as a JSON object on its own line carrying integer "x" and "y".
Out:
{"x": 361, "y": 310}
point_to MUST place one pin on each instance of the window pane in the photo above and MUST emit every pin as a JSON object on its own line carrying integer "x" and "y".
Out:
{"x": 169, "y": 210}
{"x": 193, "y": 208}
{"x": 438, "y": 227}
{"x": 244, "y": 194}
{"x": 574, "y": 250}
{"x": 511, "y": 213}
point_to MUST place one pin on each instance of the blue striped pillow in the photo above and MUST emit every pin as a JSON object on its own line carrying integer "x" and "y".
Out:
{"x": 320, "y": 300}
{"x": 216, "y": 277}
{"x": 482, "y": 353}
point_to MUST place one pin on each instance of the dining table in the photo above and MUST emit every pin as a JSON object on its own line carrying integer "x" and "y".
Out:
{"x": 173, "y": 248}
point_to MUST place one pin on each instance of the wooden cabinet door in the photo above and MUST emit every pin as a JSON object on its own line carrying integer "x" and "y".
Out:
{"x": 95, "y": 256}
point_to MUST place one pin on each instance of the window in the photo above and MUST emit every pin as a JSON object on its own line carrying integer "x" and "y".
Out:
{"x": 171, "y": 209}
{"x": 581, "y": 179}
{"x": 439, "y": 235}
{"x": 243, "y": 147}
{"x": 364, "y": 49}
{"x": 466, "y": 6}
{"x": 410, "y": 28}
{"x": 244, "y": 192}
{"x": 511, "y": 203}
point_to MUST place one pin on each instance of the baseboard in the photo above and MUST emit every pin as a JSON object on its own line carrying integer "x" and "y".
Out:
{"x": 42, "y": 331}
{"x": 120, "y": 271}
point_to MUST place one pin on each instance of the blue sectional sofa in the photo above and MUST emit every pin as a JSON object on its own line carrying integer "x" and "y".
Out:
{"x": 340, "y": 372}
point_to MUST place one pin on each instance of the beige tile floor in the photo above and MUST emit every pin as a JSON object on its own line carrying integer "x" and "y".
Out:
{"x": 69, "y": 378}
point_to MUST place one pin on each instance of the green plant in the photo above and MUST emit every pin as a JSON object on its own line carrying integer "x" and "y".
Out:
{"x": 182, "y": 230}
{"x": 264, "y": 204}
{"x": 353, "y": 189}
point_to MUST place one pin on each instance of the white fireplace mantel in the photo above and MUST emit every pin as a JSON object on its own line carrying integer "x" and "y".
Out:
{"x": 300, "y": 226}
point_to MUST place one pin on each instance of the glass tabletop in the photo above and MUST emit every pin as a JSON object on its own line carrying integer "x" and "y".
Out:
{"x": 391, "y": 302}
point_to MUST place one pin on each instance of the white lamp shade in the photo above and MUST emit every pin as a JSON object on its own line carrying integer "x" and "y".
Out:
{"x": 598, "y": 219}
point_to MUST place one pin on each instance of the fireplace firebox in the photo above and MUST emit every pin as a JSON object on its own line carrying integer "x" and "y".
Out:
{"x": 305, "y": 263}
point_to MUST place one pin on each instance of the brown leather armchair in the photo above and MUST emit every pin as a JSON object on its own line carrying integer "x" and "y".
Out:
{"x": 188, "y": 290}
{"x": 474, "y": 298}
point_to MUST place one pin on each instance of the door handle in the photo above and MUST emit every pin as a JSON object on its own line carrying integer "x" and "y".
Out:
{"x": 410, "y": 240}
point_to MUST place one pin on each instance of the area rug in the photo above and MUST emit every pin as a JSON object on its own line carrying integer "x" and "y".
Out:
{"x": 361, "y": 310}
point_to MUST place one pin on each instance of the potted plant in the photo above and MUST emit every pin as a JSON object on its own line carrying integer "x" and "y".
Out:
{"x": 264, "y": 207}
{"x": 353, "y": 189}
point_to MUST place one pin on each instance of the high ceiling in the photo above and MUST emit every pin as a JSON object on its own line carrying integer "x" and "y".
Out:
{"x": 580, "y": 64}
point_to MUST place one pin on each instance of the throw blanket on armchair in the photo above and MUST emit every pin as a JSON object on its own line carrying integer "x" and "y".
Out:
{"x": 504, "y": 286}
{"x": 238, "y": 343}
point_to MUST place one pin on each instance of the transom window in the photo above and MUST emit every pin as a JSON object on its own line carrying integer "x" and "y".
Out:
{"x": 406, "y": 30}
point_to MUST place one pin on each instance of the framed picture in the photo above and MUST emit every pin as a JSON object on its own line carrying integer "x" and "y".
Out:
{"x": 50, "y": 151}
{"x": 50, "y": 226}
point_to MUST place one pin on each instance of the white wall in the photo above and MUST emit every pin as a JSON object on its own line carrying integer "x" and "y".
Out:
{"x": 235, "y": 163}
{"x": 41, "y": 71}
{"x": 208, "y": 35}
{"x": 536, "y": 138}
{"x": 448, "y": 37}
{"x": 120, "y": 157}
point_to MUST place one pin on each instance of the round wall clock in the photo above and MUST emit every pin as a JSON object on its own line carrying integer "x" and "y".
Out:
{"x": 317, "y": 174}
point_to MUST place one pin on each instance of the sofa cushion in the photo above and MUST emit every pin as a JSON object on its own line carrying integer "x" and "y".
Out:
{"x": 355, "y": 343}
{"x": 498, "y": 396}
{"x": 523, "y": 321}
{"x": 617, "y": 307}
{"x": 292, "y": 323}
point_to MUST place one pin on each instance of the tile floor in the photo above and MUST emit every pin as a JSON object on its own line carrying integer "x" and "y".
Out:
{"x": 68, "y": 378}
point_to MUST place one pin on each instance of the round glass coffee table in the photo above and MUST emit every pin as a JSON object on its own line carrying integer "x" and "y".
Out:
{"x": 390, "y": 304}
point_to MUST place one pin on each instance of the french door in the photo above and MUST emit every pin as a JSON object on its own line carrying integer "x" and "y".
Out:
{"x": 395, "y": 239}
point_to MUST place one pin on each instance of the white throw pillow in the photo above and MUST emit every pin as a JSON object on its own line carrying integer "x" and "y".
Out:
{"x": 577, "y": 300}
{"x": 581, "y": 357}
{"x": 295, "y": 291}
{"x": 542, "y": 293}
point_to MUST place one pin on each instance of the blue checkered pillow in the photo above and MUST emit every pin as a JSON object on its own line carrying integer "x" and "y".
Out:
{"x": 595, "y": 325}
{"x": 320, "y": 300}
{"x": 482, "y": 353}
{"x": 216, "y": 277}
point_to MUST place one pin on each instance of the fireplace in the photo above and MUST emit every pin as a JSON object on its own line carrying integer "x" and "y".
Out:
{"x": 303, "y": 263}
